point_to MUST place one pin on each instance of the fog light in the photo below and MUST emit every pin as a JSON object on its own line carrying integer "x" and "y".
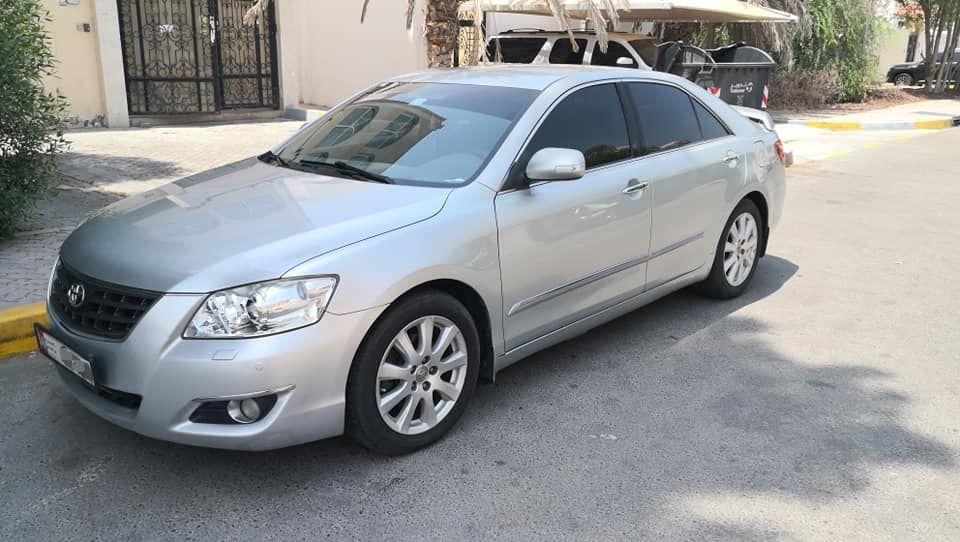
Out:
{"x": 244, "y": 411}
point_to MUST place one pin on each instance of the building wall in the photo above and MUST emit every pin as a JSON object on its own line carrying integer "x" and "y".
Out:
{"x": 893, "y": 49}
{"x": 327, "y": 55}
{"x": 78, "y": 75}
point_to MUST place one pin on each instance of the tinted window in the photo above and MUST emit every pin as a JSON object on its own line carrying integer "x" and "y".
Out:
{"x": 589, "y": 120}
{"x": 647, "y": 49}
{"x": 515, "y": 50}
{"x": 421, "y": 133}
{"x": 667, "y": 118}
{"x": 562, "y": 52}
{"x": 614, "y": 51}
{"x": 709, "y": 125}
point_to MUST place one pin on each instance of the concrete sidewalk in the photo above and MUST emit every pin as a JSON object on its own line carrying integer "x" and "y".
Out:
{"x": 923, "y": 115}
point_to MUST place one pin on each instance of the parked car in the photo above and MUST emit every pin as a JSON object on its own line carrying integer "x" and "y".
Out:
{"x": 915, "y": 73}
{"x": 436, "y": 228}
{"x": 552, "y": 47}
{"x": 737, "y": 74}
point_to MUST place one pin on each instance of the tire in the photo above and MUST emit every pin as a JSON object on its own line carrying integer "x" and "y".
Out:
{"x": 422, "y": 380}
{"x": 904, "y": 79}
{"x": 719, "y": 283}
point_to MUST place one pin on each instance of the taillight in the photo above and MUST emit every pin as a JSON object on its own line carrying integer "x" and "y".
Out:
{"x": 781, "y": 154}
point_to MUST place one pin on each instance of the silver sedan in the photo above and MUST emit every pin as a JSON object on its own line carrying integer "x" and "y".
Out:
{"x": 362, "y": 276}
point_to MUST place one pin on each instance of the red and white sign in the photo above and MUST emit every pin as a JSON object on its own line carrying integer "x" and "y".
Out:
{"x": 765, "y": 99}
{"x": 715, "y": 91}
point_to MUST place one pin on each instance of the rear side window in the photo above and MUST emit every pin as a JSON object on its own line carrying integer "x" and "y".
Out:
{"x": 709, "y": 125}
{"x": 562, "y": 52}
{"x": 515, "y": 50}
{"x": 614, "y": 51}
{"x": 589, "y": 120}
{"x": 666, "y": 115}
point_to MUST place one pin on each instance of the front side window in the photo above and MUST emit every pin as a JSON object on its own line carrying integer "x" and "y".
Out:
{"x": 414, "y": 133}
{"x": 667, "y": 118}
{"x": 589, "y": 120}
{"x": 514, "y": 50}
{"x": 647, "y": 49}
{"x": 614, "y": 51}
{"x": 562, "y": 52}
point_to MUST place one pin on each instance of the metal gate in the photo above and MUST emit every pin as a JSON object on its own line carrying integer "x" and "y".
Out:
{"x": 197, "y": 56}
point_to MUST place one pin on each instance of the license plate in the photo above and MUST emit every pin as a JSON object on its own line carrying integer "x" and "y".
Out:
{"x": 63, "y": 356}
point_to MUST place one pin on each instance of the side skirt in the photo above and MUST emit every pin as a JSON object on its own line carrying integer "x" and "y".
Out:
{"x": 587, "y": 323}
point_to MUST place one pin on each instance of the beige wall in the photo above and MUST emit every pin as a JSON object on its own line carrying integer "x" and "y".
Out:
{"x": 78, "y": 75}
{"x": 326, "y": 55}
{"x": 893, "y": 49}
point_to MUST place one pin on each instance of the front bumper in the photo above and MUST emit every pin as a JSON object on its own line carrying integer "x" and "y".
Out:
{"x": 173, "y": 376}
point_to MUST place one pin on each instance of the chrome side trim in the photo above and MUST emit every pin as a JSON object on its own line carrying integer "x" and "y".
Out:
{"x": 599, "y": 275}
{"x": 670, "y": 248}
{"x": 253, "y": 395}
{"x": 579, "y": 283}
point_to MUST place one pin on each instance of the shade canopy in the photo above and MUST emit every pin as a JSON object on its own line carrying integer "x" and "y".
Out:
{"x": 703, "y": 11}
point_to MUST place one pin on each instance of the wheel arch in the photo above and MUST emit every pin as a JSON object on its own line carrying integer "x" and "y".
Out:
{"x": 760, "y": 201}
{"x": 474, "y": 303}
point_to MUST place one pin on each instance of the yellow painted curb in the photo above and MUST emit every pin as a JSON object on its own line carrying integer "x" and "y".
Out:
{"x": 933, "y": 124}
{"x": 16, "y": 328}
{"x": 831, "y": 125}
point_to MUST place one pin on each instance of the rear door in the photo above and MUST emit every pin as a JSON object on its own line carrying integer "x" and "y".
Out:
{"x": 571, "y": 248}
{"x": 690, "y": 160}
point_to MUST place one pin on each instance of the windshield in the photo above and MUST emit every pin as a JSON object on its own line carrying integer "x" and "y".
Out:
{"x": 414, "y": 133}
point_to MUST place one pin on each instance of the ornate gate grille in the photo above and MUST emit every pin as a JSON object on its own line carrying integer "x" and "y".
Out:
{"x": 196, "y": 56}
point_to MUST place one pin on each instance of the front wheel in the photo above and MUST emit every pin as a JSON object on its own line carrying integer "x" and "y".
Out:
{"x": 737, "y": 255}
{"x": 904, "y": 79}
{"x": 413, "y": 375}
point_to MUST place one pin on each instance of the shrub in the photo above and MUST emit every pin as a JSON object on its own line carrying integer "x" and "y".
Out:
{"x": 804, "y": 89}
{"x": 842, "y": 37}
{"x": 31, "y": 126}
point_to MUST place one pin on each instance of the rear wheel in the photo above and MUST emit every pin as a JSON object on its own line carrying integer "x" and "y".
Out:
{"x": 413, "y": 375}
{"x": 737, "y": 255}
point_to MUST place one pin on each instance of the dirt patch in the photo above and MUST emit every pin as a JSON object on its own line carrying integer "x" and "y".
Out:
{"x": 879, "y": 97}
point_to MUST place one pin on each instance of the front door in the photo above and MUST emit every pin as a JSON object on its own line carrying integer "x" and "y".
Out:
{"x": 570, "y": 248}
{"x": 197, "y": 56}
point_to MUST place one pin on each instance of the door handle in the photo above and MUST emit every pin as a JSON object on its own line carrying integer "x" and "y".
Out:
{"x": 635, "y": 186}
{"x": 730, "y": 158}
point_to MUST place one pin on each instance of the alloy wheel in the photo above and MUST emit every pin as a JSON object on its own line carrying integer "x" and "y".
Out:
{"x": 421, "y": 375}
{"x": 740, "y": 249}
{"x": 904, "y": 79}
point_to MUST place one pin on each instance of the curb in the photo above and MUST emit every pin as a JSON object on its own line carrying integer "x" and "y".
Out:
{"x": 16, "y": 328}
{"x": 847, "y": 126}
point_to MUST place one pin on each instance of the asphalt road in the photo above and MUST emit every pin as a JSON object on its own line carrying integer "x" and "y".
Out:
{"x": 824, "y": 405}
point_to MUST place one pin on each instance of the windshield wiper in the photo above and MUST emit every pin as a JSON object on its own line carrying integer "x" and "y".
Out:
{"x": 271, "y": 157}
{"x": 344, "y": 167}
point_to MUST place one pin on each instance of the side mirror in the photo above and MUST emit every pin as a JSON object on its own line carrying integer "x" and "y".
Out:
{"x": 625, "y": 61}
{"x": 553, "y": 164}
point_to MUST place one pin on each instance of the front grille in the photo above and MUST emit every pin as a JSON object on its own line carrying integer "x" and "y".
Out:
{"x": 104, "y": 310}
{"x": 122, "y": 398}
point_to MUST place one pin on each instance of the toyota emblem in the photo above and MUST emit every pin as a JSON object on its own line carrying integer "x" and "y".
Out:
{"x": 76, "y": 294}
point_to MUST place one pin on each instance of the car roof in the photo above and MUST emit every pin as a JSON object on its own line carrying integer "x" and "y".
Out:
{"x": 532, "y": 77}
{"x": 625, "y": 36}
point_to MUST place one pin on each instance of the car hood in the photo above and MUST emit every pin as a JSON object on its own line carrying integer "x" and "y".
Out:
{"x": 909, "y": 65}
{"x": 241, "y": 223}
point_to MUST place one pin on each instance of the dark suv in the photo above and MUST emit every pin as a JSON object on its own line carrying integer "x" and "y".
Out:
{"x": 915, "y": 73}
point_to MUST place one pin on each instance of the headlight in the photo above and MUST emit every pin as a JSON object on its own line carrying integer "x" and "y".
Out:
{"x": 261, "y": 309}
